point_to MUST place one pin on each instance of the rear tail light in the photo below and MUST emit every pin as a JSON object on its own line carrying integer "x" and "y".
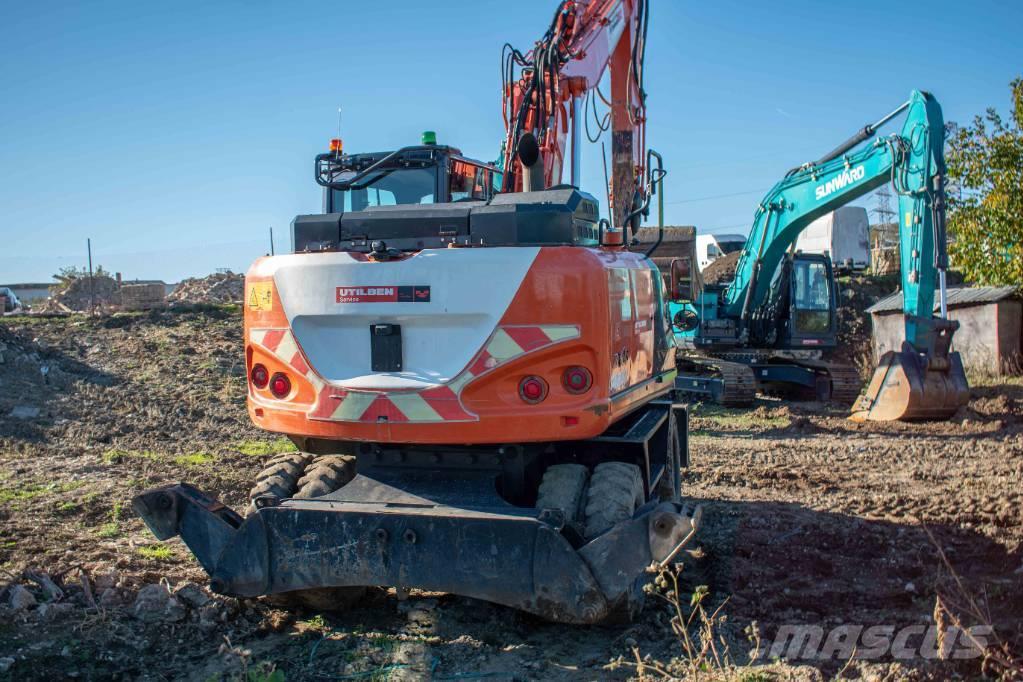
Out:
{"x": 280, "y": 386}
{"x": 532, "y": 389}
{"x": 577, "y": 380}
{"x": 259, "y": 376}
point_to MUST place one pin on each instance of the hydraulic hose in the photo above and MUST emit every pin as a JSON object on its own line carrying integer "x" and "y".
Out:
{"x": 940, "y": 240}
{"x": 655, "y": 178}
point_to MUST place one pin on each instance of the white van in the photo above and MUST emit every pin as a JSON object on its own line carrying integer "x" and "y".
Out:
{"x": 710, "y": 247}
{"x": 843, "y": 235}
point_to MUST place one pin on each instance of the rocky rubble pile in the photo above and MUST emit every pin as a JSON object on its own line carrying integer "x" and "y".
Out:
{"x": 722, "y": 270}
{"x": 855, "y": 295}
{"x": 47, "y": 598}
{"x": 137, "y": 616}
{"x": 226, "y": 287}
{"x": 81, "y": 293}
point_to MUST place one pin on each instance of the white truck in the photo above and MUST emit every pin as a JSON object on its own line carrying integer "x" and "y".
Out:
{"x": 710, "y": 247}
{"x": 843, "y": 235}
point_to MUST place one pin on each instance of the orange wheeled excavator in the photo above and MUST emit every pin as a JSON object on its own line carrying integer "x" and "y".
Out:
{"x": 476, "y": 369}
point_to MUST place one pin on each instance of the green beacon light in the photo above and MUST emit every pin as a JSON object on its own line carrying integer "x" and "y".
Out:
{"x": 429, "y": 137}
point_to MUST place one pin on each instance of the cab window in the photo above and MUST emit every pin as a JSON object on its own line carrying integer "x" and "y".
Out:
{"x": 388, "y": 187}
{"x": 811, "y": 296}
{"x": 469, "y": 182}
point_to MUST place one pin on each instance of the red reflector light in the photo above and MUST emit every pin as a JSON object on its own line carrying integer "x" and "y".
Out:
{"x": 259, "y": 376}
{"x": 532, "y": 389}
{"x": 570, "y": 421}
{"x": 280, "y": 386}
{"x": 577, "y": 380}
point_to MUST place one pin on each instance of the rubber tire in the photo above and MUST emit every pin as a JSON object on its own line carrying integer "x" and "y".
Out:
{"x": 614, "y": 495}
{"x": 563, "y": 487}
{"x": 324, "y": 475}
{"x": 280, "y": 476}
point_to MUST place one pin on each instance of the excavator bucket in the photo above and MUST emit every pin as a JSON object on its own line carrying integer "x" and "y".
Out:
{"x": 910, "y": 386}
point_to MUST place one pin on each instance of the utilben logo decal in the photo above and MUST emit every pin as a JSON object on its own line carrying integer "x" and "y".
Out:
{"x": 848, "y": 177}
{"x": 413, "y": 294}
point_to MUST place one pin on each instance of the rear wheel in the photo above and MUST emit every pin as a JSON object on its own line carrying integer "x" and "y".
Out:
{"x": 280, "y": 477}
{"x": 614, "y": 495}
{"x": 324, "y": 475}
{"x": 302, "y": 476}
{"x": 563, "y": 487}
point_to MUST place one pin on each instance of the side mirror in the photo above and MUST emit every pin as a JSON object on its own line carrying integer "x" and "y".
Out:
{"x": 680, "y": 277}
{"x": 686, "y": 320}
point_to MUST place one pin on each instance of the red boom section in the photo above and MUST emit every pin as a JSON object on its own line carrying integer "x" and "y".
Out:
{"x": 548, "y": 90}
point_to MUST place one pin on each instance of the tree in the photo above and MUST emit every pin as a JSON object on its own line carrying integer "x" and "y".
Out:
{"x": 985, "y": 165}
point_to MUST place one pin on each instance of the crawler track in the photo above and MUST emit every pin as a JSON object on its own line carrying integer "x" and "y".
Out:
{"x": 845, "y": 380}
{"x": 738, "y": 386}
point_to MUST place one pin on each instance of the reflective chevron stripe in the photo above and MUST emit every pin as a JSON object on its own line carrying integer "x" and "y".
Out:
{"x": 435, "y": 404}
{"x": 281, "y": 342}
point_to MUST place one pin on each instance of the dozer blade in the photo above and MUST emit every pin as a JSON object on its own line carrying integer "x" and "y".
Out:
{"x": 907, "y": 386}
{"x": 505, "y": 555}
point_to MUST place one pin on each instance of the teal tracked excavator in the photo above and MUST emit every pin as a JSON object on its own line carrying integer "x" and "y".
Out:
{"x": 771, "y": 322}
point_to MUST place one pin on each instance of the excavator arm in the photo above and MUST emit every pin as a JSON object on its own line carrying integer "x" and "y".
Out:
{"x": 547, "y": 91}
{"x": 913, "y": 162}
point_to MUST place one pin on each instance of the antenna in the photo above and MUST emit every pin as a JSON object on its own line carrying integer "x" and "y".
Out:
{"x": 338, "y": 152}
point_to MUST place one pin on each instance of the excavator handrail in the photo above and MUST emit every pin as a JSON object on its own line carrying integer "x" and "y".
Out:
{"x": 346, "y": 184}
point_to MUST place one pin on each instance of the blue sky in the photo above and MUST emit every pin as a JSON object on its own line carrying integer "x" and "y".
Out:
{"x": 174, "y": 134}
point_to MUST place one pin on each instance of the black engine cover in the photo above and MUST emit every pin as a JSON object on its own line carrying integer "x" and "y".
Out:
{"x": 561, "y": 215}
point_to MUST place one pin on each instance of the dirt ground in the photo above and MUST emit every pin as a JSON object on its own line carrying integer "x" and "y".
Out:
{"x": 809, "y": 518}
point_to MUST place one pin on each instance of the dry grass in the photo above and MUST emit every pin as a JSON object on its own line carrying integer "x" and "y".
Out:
{"x": 956, "y": 603}
{"x": 703, "y": 651}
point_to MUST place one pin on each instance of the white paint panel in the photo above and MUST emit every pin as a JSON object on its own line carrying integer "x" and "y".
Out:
{"x": 470, "y": 290}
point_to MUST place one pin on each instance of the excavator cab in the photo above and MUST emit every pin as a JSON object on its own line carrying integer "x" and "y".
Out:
{"x": 811, "y": 306}
{"x": 423, "y": 174}
{"x": 799, "y": 311}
